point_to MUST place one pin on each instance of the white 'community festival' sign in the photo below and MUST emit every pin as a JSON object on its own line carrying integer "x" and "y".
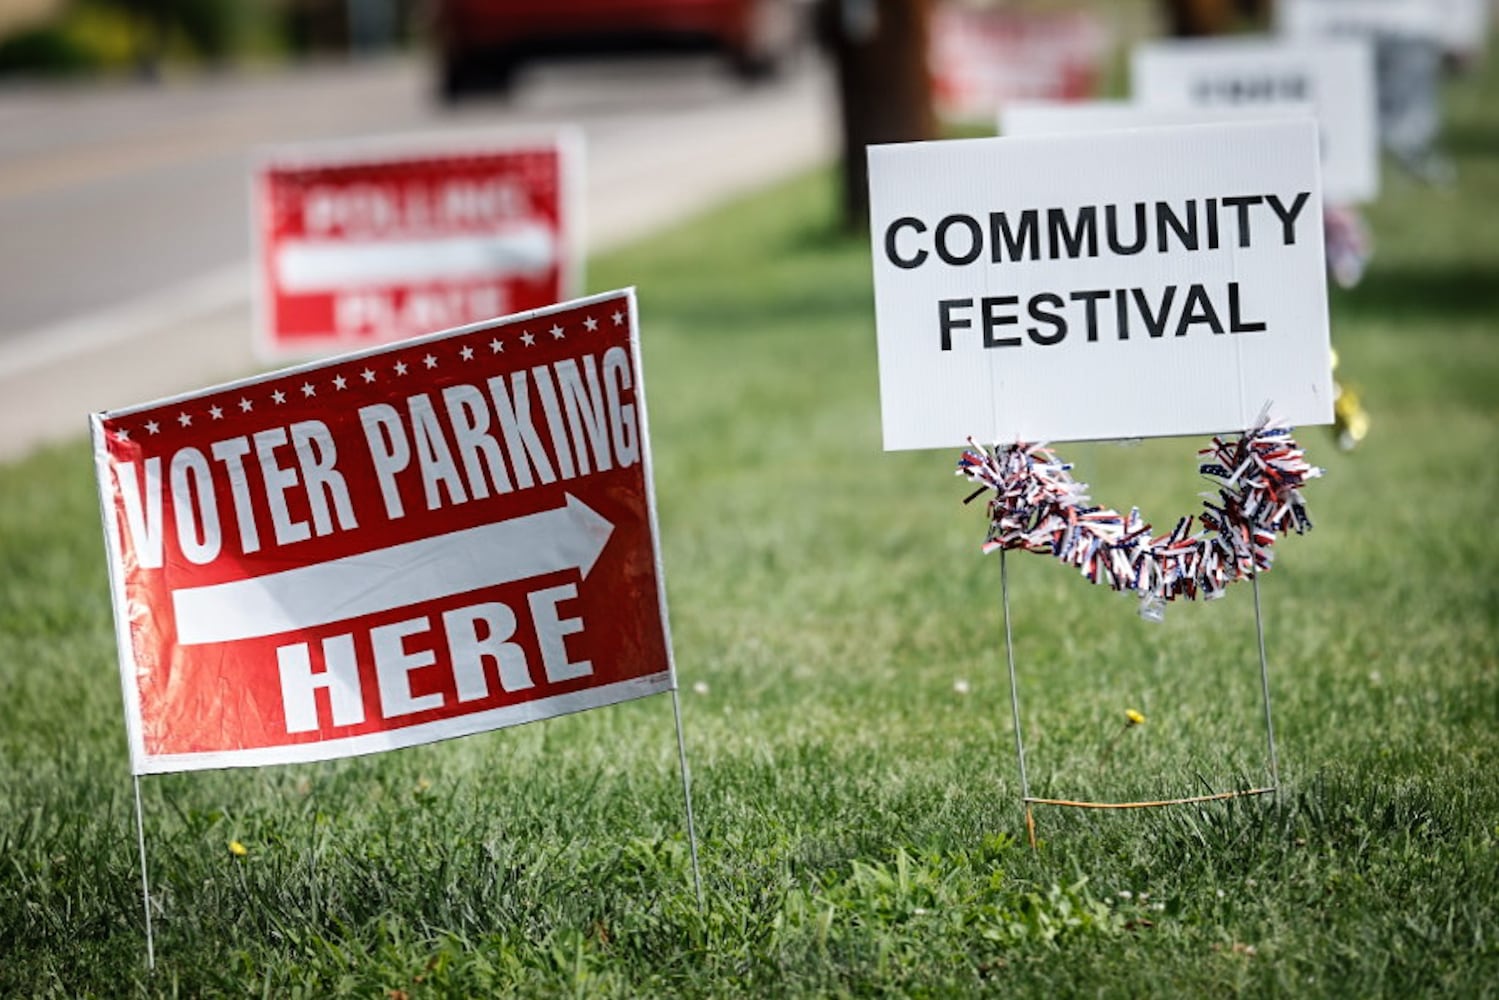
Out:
{"x": 1129, "y": 284}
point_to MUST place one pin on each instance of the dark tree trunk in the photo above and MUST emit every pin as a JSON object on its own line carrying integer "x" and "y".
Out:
{"x": 1189, "y": 18}
{"x": 884, "y": 88}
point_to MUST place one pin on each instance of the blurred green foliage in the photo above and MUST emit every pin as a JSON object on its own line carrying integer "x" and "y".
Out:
{"x": 103, "y": 36}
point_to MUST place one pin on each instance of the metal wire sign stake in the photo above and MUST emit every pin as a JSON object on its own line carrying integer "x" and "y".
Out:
{"x": 952, "y": 222}
{"x": 1027, "y": 800}
{"x": 1038, "y": 507}
{"x": 406, "y": 625}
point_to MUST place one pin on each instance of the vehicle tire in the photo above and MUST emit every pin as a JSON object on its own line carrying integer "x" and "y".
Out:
{"x": 462, "y": 74}
{"x": 758, "y": 67}
{"x": 774, "y": 32}
{"x": 455, "y": 77}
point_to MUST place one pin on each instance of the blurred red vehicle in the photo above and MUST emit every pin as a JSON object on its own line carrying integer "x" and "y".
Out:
{"x": 481, "y": 42}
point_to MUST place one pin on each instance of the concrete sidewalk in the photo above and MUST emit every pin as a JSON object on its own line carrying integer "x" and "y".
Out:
{"x": 199, "y": 333}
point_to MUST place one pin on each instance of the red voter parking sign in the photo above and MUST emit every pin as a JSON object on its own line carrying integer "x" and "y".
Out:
{"x": 413, "y": 542}
{"x": 373, "y": 242}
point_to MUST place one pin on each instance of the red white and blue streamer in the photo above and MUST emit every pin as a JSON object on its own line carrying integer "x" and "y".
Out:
{"x": 1038, "y": 507}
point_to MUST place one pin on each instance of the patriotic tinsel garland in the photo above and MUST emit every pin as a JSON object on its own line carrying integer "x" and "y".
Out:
{"x": 1039, "y": 507}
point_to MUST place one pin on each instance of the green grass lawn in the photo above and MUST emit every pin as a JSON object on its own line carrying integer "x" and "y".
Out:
{"x": 838, "y": 639}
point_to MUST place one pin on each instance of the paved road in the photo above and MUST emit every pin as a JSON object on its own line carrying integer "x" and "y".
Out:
{"x": 124, "y": 238}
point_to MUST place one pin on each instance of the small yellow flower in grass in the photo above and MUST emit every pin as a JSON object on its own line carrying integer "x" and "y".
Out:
{"x": 1132, "y": 717}
{"x": 237, "y": 849}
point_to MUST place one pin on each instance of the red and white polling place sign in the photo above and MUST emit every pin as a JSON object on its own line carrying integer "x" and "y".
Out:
{"x": 370, "y": 242}
{"x": 410, "y": 543}
{"x": 1143, "y": 283}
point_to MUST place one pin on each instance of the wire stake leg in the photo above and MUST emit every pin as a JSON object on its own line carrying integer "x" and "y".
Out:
{"x": 1259, "y": 632}
{"x": 140, "y": 841}
{"x": 697, "y": 879}
{"x": 1025, "y": 788}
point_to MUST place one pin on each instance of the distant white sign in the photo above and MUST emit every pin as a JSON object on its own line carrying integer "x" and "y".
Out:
{"x": 1321, "y": 18}
{"x": 1465, "y": 26}
{"x": 1461, "y": 27}
{"x": 1121, "y": 284}
{"x": 1023, "y": 118}
{"x": 1335, "y": 75}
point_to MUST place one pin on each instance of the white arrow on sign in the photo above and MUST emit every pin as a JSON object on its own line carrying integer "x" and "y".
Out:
{"x": 372, "y": 582}
{"x": 304, "y": 266}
